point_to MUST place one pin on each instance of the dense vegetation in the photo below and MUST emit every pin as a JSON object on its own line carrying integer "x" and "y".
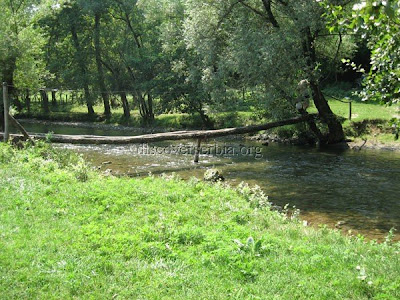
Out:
{"x": 196, "y": 57}
{"x": 65, "y": 236}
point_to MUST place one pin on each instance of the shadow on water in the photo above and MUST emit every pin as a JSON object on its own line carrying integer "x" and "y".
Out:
{"x": 358, "y": 188}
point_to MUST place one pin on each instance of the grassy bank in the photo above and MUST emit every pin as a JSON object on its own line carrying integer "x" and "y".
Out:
{"x": 68, "y": 232}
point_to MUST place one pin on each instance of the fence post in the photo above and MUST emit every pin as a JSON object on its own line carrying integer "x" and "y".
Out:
{"x": 6, "y": 111}
{"x": 350, "y": 109}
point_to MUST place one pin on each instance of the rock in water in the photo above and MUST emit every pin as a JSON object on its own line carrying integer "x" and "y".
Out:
{"x": 340, "y": 224}
{"x": 213, "y": 175}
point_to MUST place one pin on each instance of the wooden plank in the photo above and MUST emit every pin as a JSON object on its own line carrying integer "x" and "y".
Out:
{"x": 168, "y": 136}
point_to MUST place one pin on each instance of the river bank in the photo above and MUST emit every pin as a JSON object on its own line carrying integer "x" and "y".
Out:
{"x": 70, "y": 232}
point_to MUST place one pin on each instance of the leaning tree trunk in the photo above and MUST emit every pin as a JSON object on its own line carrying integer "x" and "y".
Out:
{"x": 335, "y": 129}
{"x": 100, "y": 71}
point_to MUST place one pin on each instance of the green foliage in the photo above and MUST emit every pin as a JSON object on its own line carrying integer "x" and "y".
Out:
{"x": 239, "y": 46}
{"x": 164, "y": 238}
{"x": 378, "y": 23}
{"x": 176, "y": 56}
{"x": 21, "y": 45}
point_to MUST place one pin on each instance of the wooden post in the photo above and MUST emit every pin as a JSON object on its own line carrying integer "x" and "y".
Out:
{"x": 197, "y": 151}
{"x": 350, "y": 110}
{"x": 6, "y": 111}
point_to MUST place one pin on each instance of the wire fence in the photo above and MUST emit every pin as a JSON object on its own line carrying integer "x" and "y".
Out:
{"x": 25, "y": 98}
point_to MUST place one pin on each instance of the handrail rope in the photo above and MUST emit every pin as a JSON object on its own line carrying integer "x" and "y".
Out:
{"x": 77, "y": 91}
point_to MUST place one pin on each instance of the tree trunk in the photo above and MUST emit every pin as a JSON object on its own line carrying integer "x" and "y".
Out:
{"x": 45, "y": 100}
{"x": 336, "y": 134}
{"x": 125, "y": 105}
{"x": 145, "y": 107}
{"x": 205, "y": 119}
{"x": 150, "y": 107}
{"x": 142, "y": 104}
{"x": 89, "y": 101}
{"x": 335, "y": 129}
{"x": 100, "y": 71}
{"x": 53, "y": 98}
{"x": 80, "y": 60}
{"x": 28, "y": 101}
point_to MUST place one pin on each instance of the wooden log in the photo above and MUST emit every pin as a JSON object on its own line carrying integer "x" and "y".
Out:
{"x": 20, "y": 128}
{"x": 168, "y": 136}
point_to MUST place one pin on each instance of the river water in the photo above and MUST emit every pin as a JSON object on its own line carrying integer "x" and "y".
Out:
{"x": 352, "y": 190}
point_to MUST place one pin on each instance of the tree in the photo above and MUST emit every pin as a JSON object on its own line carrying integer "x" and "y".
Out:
{"x": 378, "y": 22}
{"x": 21, "y": 43}
{"x": 179, "y": 82}
{"x": 272, "y": 44}
{"x": 68, "y": 52}
{"x": 97, "y": 9}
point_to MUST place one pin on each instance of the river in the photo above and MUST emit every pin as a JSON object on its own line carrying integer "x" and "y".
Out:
{"x": 352, "y": 190}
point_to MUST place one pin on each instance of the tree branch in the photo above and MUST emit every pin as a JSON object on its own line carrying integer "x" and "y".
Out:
{"x": 256, "y": 11}
{"x": 227, "y": 13}
{"x": 271, "y": 17}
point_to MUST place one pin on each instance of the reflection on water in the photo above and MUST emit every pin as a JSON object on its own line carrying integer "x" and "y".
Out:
{"x": 359, "y": 189}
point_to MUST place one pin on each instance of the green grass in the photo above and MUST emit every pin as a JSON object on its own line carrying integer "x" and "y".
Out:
{"x": 369, "y": 120}
{"x": 70, "y": 233}
{"x": 363, "y": 111}
{"x": 78, "y": 113}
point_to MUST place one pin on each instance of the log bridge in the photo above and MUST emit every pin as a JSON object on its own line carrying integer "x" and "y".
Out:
{"x": 198, "y": 135}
